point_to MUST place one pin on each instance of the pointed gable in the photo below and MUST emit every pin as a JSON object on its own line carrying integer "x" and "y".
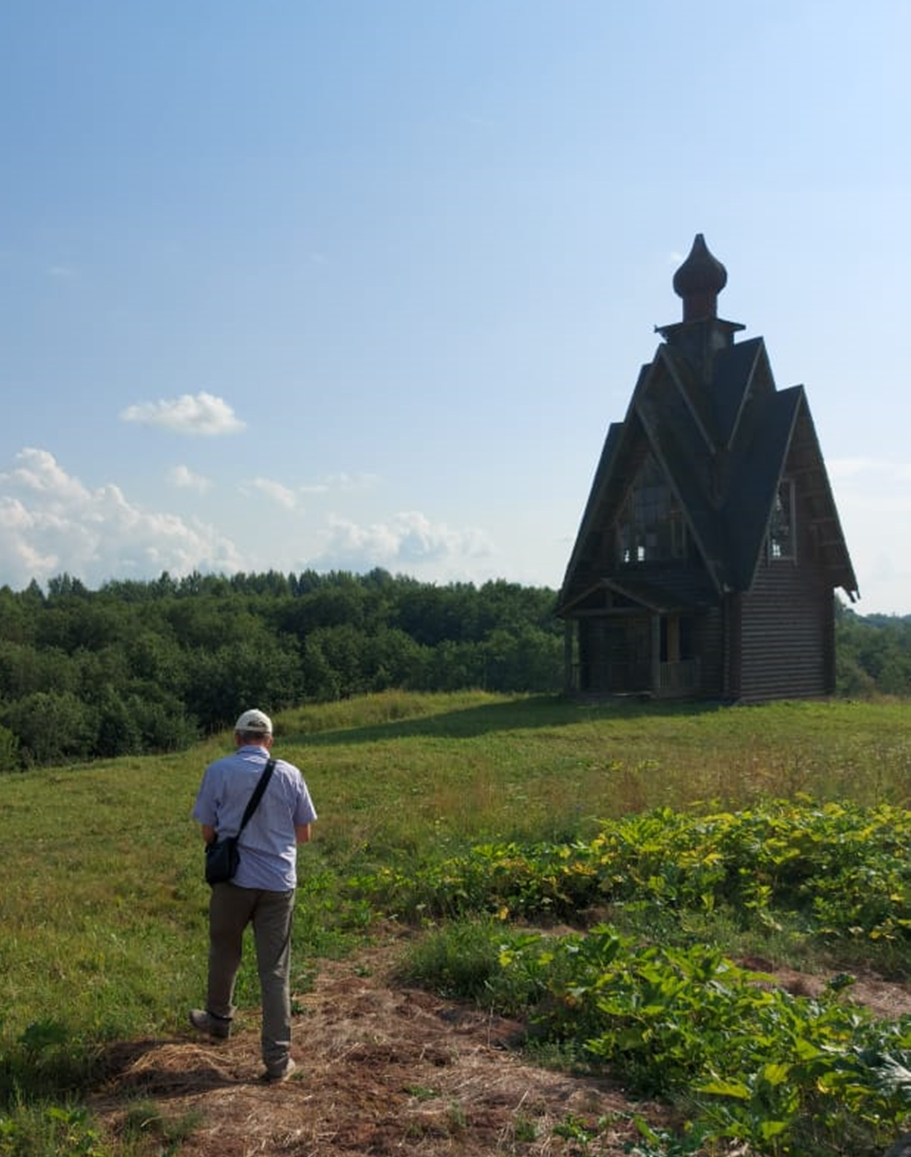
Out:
{"x": 737, "y": 372}
{"x": 757, "y": 461}
{"x": 707, "y": 412}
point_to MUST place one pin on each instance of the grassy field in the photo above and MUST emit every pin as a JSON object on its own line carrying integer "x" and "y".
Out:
{"x": 102, "y": 912}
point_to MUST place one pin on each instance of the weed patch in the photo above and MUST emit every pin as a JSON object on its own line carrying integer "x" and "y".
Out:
{"x": 755, "y": 1064}
{"x": 837, "y": 871}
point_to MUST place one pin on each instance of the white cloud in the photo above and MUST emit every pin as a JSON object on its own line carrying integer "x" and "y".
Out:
{"x": 204, "y": 415}
{"x": 274, "y": 491}
{"x": 38, "y": 472}
{"x": 50, "y": 523}
{"x": 409, "y": 541}
{"x": 344, "y": 482}
{"x": 17, "y": 525}
{"x": 183, "y": 478}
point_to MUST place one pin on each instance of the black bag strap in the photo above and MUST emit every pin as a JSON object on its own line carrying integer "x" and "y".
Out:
{"x": 257, "y": 794}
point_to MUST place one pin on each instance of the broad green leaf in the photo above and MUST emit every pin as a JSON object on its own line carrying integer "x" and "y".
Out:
{"x": 720, "y": 1088}
{"x": 770, "y": 1129}
{"x": 775, "y": 1073}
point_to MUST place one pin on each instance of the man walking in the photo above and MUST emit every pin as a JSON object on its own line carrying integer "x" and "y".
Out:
{"x": 262, "y": 890}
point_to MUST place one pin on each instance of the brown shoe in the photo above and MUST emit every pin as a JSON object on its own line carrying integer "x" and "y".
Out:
{"x": 218, "y": 1027}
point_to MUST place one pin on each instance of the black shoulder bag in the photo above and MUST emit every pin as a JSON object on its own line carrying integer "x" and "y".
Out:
{"x": 223, "y": 855}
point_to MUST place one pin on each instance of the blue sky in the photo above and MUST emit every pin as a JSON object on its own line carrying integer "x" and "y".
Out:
{"x": 358, "y": 283}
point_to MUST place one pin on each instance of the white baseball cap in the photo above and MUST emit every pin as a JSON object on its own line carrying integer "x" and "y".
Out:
{"x": 254, "y": 720}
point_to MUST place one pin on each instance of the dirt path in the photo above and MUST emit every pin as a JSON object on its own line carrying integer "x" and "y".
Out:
{"x": 383, "y": 1069}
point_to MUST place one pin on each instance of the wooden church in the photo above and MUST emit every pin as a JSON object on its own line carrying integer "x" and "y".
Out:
{"x": 710, "y": 548}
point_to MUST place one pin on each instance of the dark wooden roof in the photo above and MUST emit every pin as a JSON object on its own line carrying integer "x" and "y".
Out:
{"x": 708, "y": 410}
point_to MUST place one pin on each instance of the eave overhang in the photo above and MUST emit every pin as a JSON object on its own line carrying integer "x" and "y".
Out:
{"x": 635, "y": 595}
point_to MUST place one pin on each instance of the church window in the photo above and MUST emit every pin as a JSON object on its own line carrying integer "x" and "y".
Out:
{"x": 651, "y": 524}
{"x": 782, "y": 539}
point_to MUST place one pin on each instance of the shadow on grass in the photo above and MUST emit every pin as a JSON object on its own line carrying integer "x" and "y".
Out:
{"x": 170, "y": 1068}
{"x": 154, "y": 1067}
{"x": 537, "y": 711}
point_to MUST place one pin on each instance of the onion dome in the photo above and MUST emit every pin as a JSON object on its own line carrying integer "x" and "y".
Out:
{"x": 698, "y": 281}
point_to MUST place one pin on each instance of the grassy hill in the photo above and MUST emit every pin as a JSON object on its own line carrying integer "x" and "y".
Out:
{"x": 103, "y": 908}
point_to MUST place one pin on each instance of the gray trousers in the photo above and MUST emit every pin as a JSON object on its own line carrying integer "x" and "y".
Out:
{"x": 231, "y": 909}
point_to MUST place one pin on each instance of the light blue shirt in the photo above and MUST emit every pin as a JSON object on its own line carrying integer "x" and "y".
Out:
{"x": 268, "y": 844}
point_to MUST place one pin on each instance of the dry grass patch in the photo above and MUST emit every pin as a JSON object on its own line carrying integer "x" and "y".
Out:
{"x": 382, "y": 1069}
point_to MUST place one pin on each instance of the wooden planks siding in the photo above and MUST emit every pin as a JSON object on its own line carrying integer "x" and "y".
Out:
{"x": 785, "y": 635}
{"x": 708, "y": 645}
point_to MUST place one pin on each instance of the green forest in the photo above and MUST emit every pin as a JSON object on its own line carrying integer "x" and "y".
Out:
{"x": 144, "y": 667}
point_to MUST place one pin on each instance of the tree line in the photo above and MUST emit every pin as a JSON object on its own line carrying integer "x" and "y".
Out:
{"x": 140, "y": 667}
{"x": 873, "y": 653}
{"x": 148, "y": 666}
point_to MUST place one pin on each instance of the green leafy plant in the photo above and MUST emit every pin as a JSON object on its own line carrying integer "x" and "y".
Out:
{"x": 759, "y": 1062}
{"x": 839, "y": 868}
{"x": 65, "y": 1132}
{"x": 577, "y": 1129}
